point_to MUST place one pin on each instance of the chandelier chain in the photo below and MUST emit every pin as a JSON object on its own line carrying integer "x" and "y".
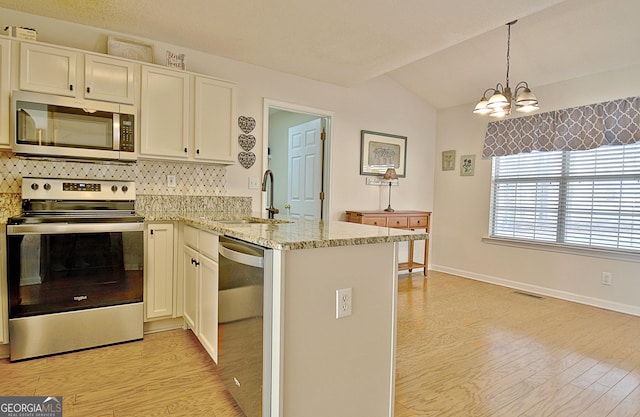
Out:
{"x": 508, "y": 49}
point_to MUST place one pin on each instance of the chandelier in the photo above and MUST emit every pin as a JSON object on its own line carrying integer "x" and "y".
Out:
{"x": 500, "y": 102}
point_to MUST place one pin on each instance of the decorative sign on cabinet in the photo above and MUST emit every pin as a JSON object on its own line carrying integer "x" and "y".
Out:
{"x": 400, "y": 219}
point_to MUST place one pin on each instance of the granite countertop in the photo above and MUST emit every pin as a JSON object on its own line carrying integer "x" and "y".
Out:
{"x": 286, "y": 234}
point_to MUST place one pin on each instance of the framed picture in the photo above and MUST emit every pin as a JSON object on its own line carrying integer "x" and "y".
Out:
{"x": 379, "y": 151}
{"x": 448, "y": 160}
{"x": 467, "y": 165}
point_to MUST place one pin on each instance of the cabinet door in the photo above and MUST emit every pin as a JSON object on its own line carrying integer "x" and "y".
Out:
{"x": 208, "y": 306}
{"x": 159, "y": 287}
{"x": 48, "y": 70}
{"x": 108, "y": 79}
{"x": 190, "y": 276}
{"x": 5, "y": 46}
{"x": 215, "y": 120}
{"x": 164, "y": 113}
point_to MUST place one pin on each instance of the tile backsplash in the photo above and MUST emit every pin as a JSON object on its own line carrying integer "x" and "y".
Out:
{"x": 150, "y": 176}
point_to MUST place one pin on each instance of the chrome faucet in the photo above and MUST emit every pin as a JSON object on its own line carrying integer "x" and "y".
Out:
{"x": 272, "y": 210}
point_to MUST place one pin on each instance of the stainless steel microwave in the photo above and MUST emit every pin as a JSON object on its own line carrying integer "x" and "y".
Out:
{"x": 48, "y": 125}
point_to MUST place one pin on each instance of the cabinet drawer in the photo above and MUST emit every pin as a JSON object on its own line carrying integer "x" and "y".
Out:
{"x": 418, "y": 222}
{"x": 400, "y": 221}
{"x": 190, "y": 235}
{"x": 208, "y": 244}
{"x": 375, "y": 221}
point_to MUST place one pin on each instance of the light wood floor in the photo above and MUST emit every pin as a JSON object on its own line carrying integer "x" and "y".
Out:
{"x": 465, "y": 348}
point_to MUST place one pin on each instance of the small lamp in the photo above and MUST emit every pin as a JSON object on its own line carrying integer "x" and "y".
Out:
{"x": 389, "y": 176}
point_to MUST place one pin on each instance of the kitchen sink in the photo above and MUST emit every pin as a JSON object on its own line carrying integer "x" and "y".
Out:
{"x": 252, "y": 220}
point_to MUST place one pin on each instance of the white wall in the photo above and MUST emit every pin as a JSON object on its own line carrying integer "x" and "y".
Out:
{"x": 378, "y": 105}
{"x": 461, "y": 211}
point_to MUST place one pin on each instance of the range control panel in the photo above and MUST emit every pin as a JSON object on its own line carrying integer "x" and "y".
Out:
{"x": 74, "y": 189}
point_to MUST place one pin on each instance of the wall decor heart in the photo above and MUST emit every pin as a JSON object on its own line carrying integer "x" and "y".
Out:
{"x": 247, "y": 124}
{"x": 247, "y": 159}
{"x": 247, "y": 142}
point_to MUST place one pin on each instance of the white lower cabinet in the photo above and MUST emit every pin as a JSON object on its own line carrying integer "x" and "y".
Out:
{"x": 190, "y": 280}
{"x": 200, "y": 275}
{"x": 159, "y": 282}
{"x": 208, "y": 306}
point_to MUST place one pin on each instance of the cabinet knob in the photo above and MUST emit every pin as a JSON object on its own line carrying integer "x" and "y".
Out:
{"x": 88, "y": 89}
{"x": 185, "y": 150}
{"x": 375, "y": 223}
{"x": 198, "y": 151}
{"x": 70, "y": 87}
{"x": 151, "y": 231}
{"x": 418, "y": 221}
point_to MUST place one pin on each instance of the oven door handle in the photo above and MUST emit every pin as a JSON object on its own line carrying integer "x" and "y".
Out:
{"x": 60, "y": 228}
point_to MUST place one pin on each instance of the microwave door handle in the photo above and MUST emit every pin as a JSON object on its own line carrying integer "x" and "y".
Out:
{"x": 116, "y": 131}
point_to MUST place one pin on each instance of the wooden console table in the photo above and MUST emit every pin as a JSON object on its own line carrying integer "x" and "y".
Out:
{"x": 401, "y": 219}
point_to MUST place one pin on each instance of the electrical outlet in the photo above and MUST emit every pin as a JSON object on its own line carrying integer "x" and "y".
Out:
{"x": 254, "y": 183}
{"x": 171, "y": 181}
{"x": 607, "y": 278}
{"x": 343, "y": 303}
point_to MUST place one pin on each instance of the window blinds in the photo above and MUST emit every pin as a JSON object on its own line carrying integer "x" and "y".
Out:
{"x": 586, "y": 198}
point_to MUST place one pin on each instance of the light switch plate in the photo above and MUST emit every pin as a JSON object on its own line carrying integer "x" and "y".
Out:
{"x": 171, "y": 181}
{"x": 254, "y": 183}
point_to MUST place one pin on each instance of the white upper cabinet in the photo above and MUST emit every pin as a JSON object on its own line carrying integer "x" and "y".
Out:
{"x": 187, "y": 117}
{"x": 109, "y": 79}
{"x": 5, "y": 89}
{"x": 215, "y": 120}
{"x": 54, "y": 70}
{"x": 48, "y": 70}
{"x": 164, "y": 113}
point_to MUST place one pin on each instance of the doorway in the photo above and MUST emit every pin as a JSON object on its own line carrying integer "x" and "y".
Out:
{"x": 297, "y": 152}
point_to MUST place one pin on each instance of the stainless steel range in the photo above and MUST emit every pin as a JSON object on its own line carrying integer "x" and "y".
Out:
{"x": 75, "y": 266}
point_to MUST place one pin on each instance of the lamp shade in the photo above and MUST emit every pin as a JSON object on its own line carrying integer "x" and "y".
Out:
{"x": 526, "y": 98}
{"x": 497, "y": 100}
{"x": 481, "y": 107}
{"x": 390, "y": 174}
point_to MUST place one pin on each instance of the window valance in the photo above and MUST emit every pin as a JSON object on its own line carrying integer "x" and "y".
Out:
{"x": 614, "y": 122}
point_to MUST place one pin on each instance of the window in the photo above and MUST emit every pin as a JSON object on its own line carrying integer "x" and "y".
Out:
{"x": 580, "y": 198}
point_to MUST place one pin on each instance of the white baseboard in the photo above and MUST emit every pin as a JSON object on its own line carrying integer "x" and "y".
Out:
{"x": 563, "y": 295}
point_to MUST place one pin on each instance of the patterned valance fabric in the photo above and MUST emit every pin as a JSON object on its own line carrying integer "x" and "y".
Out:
{"x": 614, "y": 122}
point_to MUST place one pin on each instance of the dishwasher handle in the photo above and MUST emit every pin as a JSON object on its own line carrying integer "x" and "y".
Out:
{"x": 240, "y": 254}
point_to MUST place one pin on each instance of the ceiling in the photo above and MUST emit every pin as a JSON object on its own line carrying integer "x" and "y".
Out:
{"x": 445, "y": 51}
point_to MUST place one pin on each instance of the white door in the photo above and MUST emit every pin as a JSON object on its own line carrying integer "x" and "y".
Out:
{"x": 305, "y": 170}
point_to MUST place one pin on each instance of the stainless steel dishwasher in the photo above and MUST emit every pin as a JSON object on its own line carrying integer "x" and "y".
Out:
{"x": 244, "y": 324}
